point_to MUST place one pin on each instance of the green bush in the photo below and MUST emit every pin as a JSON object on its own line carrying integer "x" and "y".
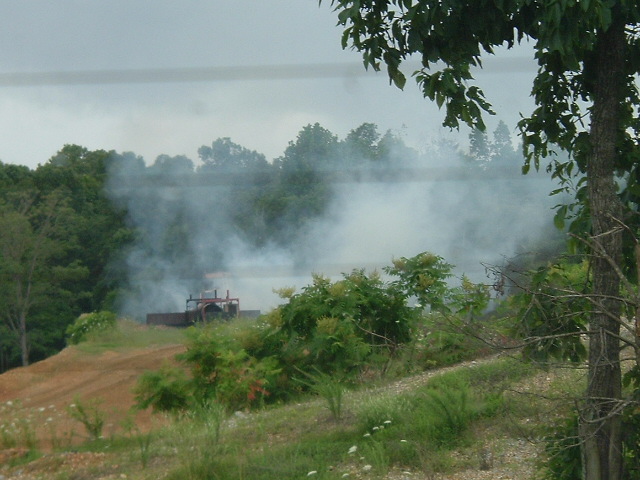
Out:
{"x": 88, "y": 323}
{"x": 223, "y": 371}
{"x": 335, "y": 327}
{"x": 164, "y": 390}
{"x": 359, "y": 324}
{"x": 562, "y": 452}
{"x": 563, "y": 459}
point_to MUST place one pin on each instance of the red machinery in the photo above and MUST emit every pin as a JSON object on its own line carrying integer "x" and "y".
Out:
{"x": 211, "y": 307}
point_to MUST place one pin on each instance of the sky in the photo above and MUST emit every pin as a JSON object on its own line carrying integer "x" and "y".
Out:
{"x": 164, "y": 77}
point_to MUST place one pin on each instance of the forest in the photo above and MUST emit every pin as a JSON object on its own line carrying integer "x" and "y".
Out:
{"x": 91, "y": 231}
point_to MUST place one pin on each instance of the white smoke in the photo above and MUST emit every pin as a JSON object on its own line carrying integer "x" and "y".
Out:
{"x": 437, "y": 203}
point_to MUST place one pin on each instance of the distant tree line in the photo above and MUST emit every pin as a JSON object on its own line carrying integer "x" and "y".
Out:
{"x": 67, "y": 229}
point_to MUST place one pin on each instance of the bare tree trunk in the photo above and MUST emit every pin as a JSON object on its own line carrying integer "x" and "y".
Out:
{"x": 24, "y": 345}
{"x": 600, "y": 419}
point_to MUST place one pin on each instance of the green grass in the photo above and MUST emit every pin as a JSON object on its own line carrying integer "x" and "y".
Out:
{"x": 416, "y": 430}
{"x": 130, "y": 335}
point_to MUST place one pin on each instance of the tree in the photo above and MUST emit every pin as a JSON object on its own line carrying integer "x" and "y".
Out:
{"x": 95, "y": 230}
{"x": 26, "y": 249}
{"x": 588, "y": 55}
{"x": 502, "y": 148}
{"x": 479, "y": 147}
{"x": 361, "y": 145}
{"x": 226, "y": 156}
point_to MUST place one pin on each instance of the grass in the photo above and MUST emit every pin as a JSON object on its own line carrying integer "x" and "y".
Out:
{"x": 442, "y": 425}
{"x": 130, "y": 335}
{"x": 417, "y": 430}
{"x": 376, "y": 434}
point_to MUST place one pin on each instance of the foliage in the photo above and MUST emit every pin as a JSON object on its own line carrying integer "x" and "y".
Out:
{"x": 220, "y": 371}
{"x": 563, "y": 456}
{"x": 583, "y": 51}
{"x": 553, "y": 311}
{"x": 30, "y": 244}
{"x": 334, "y": 326}
{"x": 63, "y": 231}
{"x": 325, "y": 337}
{"x": 631, "y": 443}
{"x": 223, "y": 372}
{"x": 424, "y": 277}
{"x": 164, "y": 390}
{"x": 562, "y": 450}
{"x": 330, "y": 388}
{"x": 89, "y": 323}
{"x": 444, "y": 340}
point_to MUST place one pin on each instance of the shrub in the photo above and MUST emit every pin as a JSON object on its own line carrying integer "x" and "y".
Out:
{"x": 223, "y": 371}
{"x": 562, "y": 451}
{"x": 164, "y": 390}
{"x": 90, "y": 323}
{"x": 563, "y": 459}
{"x": 340, "y": 328}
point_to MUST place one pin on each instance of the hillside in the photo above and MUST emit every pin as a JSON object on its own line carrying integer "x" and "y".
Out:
{"x": 41, "y": 393}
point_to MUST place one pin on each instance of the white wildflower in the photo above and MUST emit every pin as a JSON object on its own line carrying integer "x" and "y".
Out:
{"x": 366, "y": 468}
{"x": 366, "y": 435}
{"x": 387, "y": 422}
{"x": 353, "y": 450}
{"x": 311, "y": 473}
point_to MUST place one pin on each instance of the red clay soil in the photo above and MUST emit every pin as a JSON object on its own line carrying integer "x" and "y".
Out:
{"x": 40, "y": 394}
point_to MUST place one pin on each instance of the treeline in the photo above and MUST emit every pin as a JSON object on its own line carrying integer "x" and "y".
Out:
{"x": 69, "y": 225}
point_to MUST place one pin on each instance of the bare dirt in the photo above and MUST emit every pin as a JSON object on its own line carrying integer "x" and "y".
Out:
{"x": 40, "y": 395}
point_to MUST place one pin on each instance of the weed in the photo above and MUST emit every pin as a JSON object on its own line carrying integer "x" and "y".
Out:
{"x": 374, "y": 454}
{"x": 328, "y": 387}
{"x": 18, "y": 429}
{"x": 143, "y": 440}
{"x": 196, "y": 441}
{"x": 89, "y": 414}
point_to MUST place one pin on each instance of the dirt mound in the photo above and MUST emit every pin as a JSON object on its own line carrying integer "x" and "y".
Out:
{"x": 36, "y": 398}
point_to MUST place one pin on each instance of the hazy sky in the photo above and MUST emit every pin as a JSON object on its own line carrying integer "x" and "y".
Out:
{"x": 276, "y": 72}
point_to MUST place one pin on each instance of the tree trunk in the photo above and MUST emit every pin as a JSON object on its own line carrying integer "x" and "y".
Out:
{"x": 600, "y": 427}
{"x": 24, "y": 345}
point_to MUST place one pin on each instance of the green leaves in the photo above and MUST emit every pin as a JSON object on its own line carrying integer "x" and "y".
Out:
{"x": 553, "y": 312}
